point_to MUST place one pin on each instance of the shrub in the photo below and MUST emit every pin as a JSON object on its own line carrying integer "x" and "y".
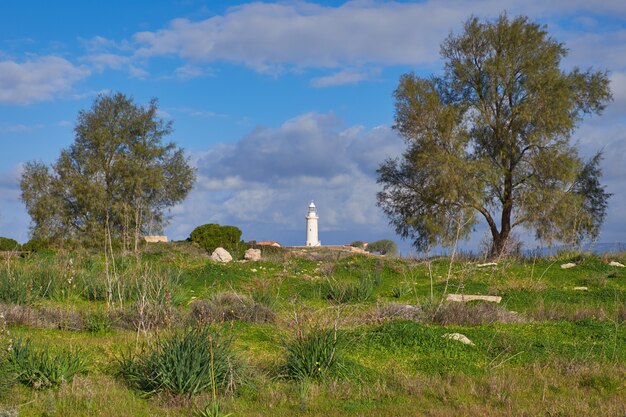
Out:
{"x": 185, "y": 362}
{"x": 313, "y": 355}
{"x": 346, "y": 292}
{"x": 228, "y": 306}
{"x": 383, "y": 247}
{"x": 36, "y": 245}
{"x": 8, "y": 244}
{"x": 212, "y": 236}
{"x": 358, "y": 244}
{"x": 98, "y": 322}
{"x": 41, "y": 368}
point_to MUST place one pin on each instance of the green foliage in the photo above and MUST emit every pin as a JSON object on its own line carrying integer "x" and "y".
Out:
{"x": 491, "y": 136}
{"x": 8, "y": 375}
{"x": 41, "y": 367}
{"x": 117, "y": 177}
{"x": 212, "y": 236}
{"x": 98, "y": 322}
{"x": 36, "y": 245}
{"x": 383, "y": 247}
{"x": 8, "y": 244}
{"x": 349, "y": 292}
{"x": 358, "y": 244}
{"x": 185, "y": 362}
{"x": 313, "y": 355}
{"x": 212, "y": 409}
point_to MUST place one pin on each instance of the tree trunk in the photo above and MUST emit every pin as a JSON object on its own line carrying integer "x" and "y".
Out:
{"x": 500, "y": 239}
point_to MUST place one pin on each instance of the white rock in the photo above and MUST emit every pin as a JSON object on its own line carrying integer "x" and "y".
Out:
{"x": 252, "y": 255}
{"x": 458, "y": 337}
{"x": 617, "y": 264}
{"x": 221, "y": 255}
{"x": 568, "y": 265}
{"x": 487, "y": 264}
{"x": 467, "y": 297}
{"x": 581, "y": 289}
{"x": 155, "y": 239}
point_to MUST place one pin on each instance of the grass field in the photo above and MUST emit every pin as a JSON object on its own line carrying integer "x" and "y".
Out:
{"x": 319, "y": 333}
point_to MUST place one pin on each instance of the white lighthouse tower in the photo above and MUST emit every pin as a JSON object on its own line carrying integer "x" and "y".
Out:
{"x": 311, "y": 227}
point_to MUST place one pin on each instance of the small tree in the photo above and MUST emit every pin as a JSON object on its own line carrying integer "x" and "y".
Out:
{"x": 491, "y": 138}
{"x": 383, "y": 247}
{"x": 8, "y": 244}
{"x": 114, "y": 182}
{"x": 211, "y": 236}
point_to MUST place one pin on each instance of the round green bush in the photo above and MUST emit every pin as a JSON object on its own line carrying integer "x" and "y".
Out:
{"x": 212, "y": 236}
{"x": 8, "y": 244}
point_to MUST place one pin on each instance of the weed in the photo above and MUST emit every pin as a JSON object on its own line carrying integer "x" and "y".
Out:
{"x": 230, "y": 306}
{"x": 473, "y": 314}
{"x": 40, "y": 367}
{"x": 312, "y": 355}
{"x": 211, "y": 409}
{"x": 184, "y": 362}
{"x": 402, "y": 290}
{"x": 98, "y": 322}
{"x": 348, "y": 292}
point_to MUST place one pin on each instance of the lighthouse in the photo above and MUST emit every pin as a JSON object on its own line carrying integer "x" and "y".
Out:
{"x": 311, "y": 227}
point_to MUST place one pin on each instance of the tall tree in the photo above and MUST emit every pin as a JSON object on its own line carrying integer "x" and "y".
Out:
{"x": 491, "y": 137}
{"x": 116, "y": 180}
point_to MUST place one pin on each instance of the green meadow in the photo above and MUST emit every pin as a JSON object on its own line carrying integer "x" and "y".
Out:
{"x": 321, "y": 332}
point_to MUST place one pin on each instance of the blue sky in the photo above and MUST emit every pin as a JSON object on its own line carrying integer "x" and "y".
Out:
{"x": 276, "y": 103}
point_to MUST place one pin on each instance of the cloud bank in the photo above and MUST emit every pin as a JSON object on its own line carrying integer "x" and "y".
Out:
{"x": 264, "y": 182}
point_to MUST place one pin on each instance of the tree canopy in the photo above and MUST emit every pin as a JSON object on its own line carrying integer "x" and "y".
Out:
{"x": 491, "y": 138}
{"x": 114, "y": 182}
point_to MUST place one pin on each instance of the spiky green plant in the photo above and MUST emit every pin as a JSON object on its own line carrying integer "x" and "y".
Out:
{"x": 39, "y": 367}
{"x": 185, "y": 362}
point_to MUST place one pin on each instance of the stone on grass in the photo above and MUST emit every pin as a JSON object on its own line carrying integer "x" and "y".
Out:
{"x": 467, "y": 297}
{"x": 458, "y": 337}
{"x": 581, "y": 289}
{"x": 252, "y": 255}
{"x": 568, "y": 265}
{"x": 221, "y": 255}
{"x": 487, "y": 264}
{"x": 617, "y": 264}
{"x": 155, "y": 239}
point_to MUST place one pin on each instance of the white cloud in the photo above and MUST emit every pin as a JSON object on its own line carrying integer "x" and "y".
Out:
{"x": 267, "y": 36}
{"x": 104, "y": 61}
{"x": 270, "y": 36}
{"x": 188, "y": 72}
{"x": 37, "y": 79}
{"x": 343, "y": 77}
{"x": 264, "y": 182}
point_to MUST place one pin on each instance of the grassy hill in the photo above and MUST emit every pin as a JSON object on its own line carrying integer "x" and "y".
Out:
{"x": 309, "y": 332}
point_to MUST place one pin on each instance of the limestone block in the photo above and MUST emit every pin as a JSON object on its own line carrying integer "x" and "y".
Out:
{"x": 252, "y": 255}
{"x": 221, "y": 255}
{"x": 458, "y": 337}
{"x": 468, "y": 297}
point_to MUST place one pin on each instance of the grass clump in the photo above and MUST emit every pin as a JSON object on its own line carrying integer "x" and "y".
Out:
{"x": 313, "y": 355}
{"x": 185, "y": 362}
{"x": 229, "y": 306}
{"x": 342, "y": 292}
{"x": 98, "y": 322}
{"x": 40, "y": 367}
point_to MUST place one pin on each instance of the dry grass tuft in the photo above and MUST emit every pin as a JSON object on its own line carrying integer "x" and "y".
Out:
{"x": 228, "y": 306}
{"x": 473, "y": 314}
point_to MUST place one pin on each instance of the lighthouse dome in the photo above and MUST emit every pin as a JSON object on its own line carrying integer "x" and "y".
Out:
{"x": 312, "y": 209}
